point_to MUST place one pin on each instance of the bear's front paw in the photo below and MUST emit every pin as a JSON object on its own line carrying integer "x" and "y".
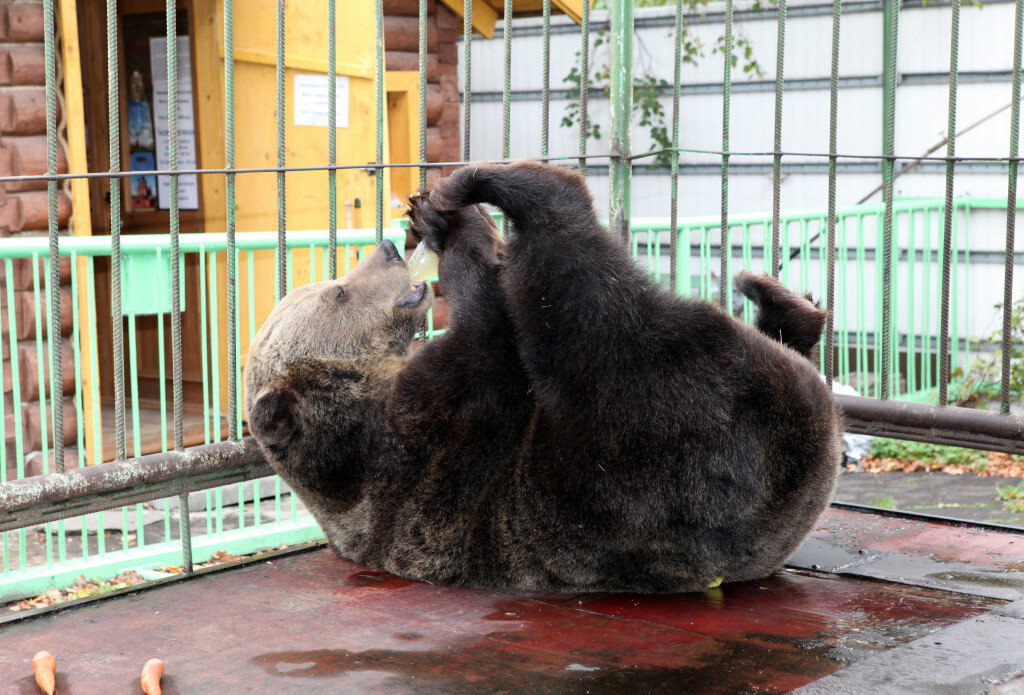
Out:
{"x": 426, "y": 223}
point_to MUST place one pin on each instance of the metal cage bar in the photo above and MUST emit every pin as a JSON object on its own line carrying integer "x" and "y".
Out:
{"x": 833, "y": 121}
{"x": 892, "y": 10}
{"x": 1011, "y": 212}
{"x": 780, "y": 61}
{"x": 948, "y": 211}
{"x": 809, "y": 239}
{"x": 673, "y": 231}
{"x": 279, "y": 66}
{"x": 467, "y": 62}
{"x": 620, "y": 163}
{"x": 332, "y": 142}
{"x": 723, "y": 279}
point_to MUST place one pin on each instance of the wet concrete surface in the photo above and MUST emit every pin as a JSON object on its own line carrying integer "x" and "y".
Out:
{"x": 966, "y": 496}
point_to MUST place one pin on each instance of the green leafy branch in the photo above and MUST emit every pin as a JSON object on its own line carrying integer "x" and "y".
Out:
{"x": 648, "y": 90}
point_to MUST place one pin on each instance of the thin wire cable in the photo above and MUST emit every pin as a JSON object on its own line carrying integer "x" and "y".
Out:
{"x": 506, "y": 91}
{"x": 332, "y": 143}
{"x": 584, "y": 83}
{"x": 467, "y": 45}
{"x": 723, "y": 280}
{"x": 53, "y": 260}
{"x": 231, "y": 282}
{"x": 545, "y": 72}
{"x": 887, "y": 177}
{"x": 184, "y": 516}
{"x": 379, "y": 98}
{"x": 423, "y": 89}
{"x": 833, "y": 123}
{"x": 947, "y": 217}
{"x": 673, "y": 231}
{"x": 282, "y": 253}
{"x": 114, "y": 141}
{"x": 371, "y": 167}
{"x": 780, "y": 54}
{"x": 1011, "y": 213}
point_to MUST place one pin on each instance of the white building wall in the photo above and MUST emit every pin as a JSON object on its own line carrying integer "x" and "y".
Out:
{"x": 986, "y": 34}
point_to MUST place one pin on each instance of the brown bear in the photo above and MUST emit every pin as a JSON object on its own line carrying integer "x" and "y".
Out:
{"x": 578, "y": 427}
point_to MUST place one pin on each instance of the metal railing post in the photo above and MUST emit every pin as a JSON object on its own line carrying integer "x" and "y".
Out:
{"x": 620, "y": 166}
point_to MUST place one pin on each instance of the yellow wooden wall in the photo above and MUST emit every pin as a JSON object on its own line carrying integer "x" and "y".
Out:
{"x": 256, "y": 135}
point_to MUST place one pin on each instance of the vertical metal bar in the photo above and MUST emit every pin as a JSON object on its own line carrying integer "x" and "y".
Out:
{"x": 506, "y": 93}
{"x": 545, "y": 71}
{"x": 379, "y": 79}
{"x": 780, "y": 52}
{"x": 114, "y": 142}
{"x": 282, "y": 254}
{"x": 423, "y": 89}
{"x": 332, "y": 143}
{"x": 231, "y": 279}
{"x": 948, "y": 211}
{"x": 1011, "y": 210}
{"x": 19, "y": 444}
{"x": 892, "y": 25}
{"x": 584, "y": 81}
{"x": 184, "y": 521}
{"x": 723, "y": 280}
{"x": 467, "y": 45}
{"x": 620, "y": 166}
{"x": 56, "y": 389}
{"x": 673, "y": 226}
{"x": 833, "y": 124}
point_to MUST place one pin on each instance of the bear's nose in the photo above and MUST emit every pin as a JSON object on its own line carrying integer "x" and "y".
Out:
{"x": 391, "y": 254}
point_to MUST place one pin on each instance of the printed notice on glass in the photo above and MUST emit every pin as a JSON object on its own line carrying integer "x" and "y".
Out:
{"x": 188, "y": 186}
{"x": 310, "y": 99}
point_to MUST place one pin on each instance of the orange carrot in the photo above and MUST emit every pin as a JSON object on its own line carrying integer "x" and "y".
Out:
{"x": 44, "y": 664}
{"x": 151, "y": 673}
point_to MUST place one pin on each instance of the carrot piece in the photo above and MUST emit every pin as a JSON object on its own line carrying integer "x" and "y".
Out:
{"x": 44, "y": 664}
{"x": 151, "y": 673}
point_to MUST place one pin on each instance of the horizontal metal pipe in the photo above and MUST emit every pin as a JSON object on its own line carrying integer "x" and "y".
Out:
{"x": 44, "y": 498}
{"x": 369, "y": 168}
{"x": 978, "y": 429}
{"x": 27, "y": 247}
{"x": 793, "y": 84}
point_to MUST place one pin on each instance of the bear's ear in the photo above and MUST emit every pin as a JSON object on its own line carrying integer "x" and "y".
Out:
{"x": 273, "y": 418}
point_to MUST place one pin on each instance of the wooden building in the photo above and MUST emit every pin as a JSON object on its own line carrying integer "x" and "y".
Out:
{"x": 84, "y": 205}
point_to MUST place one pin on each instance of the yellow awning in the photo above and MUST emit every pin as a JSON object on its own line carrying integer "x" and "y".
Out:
{"x": 487, "y": 12}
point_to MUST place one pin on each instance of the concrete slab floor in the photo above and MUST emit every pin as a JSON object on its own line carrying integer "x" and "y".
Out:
{"x": 969, "y": 497}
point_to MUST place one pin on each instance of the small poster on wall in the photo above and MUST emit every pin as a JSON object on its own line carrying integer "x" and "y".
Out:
{"x": 188, "y": 185}
{"x": 141, "y": 144}
{"x": 310, "y": 101}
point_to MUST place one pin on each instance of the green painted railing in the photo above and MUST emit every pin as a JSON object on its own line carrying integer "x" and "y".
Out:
{"x": 106, "y": 543}
{"x": 858, "y": 316}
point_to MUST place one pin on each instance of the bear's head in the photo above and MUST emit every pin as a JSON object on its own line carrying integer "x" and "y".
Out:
{"x": 369, "y": 316}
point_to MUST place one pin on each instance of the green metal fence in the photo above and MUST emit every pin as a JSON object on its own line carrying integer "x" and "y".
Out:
{"x": 109, "y": 542}
{"x": 887, "y": 348}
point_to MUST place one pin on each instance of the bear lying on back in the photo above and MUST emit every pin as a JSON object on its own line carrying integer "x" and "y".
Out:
{"x": 578, "y": 427}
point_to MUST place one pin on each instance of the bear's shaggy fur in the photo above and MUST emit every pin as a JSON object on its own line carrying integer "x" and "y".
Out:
{"x": 578, "y": 427}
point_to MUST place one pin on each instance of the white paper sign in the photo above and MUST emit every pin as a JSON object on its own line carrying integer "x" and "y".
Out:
{"x": 310, "y": 98}
{"x": 188, "y": 186}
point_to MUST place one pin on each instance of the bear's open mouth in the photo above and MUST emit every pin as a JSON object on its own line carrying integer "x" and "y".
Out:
{"x": 413, "y": 297}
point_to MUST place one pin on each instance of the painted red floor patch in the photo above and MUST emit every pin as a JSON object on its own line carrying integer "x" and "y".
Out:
{"x": 313, "y": 623}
